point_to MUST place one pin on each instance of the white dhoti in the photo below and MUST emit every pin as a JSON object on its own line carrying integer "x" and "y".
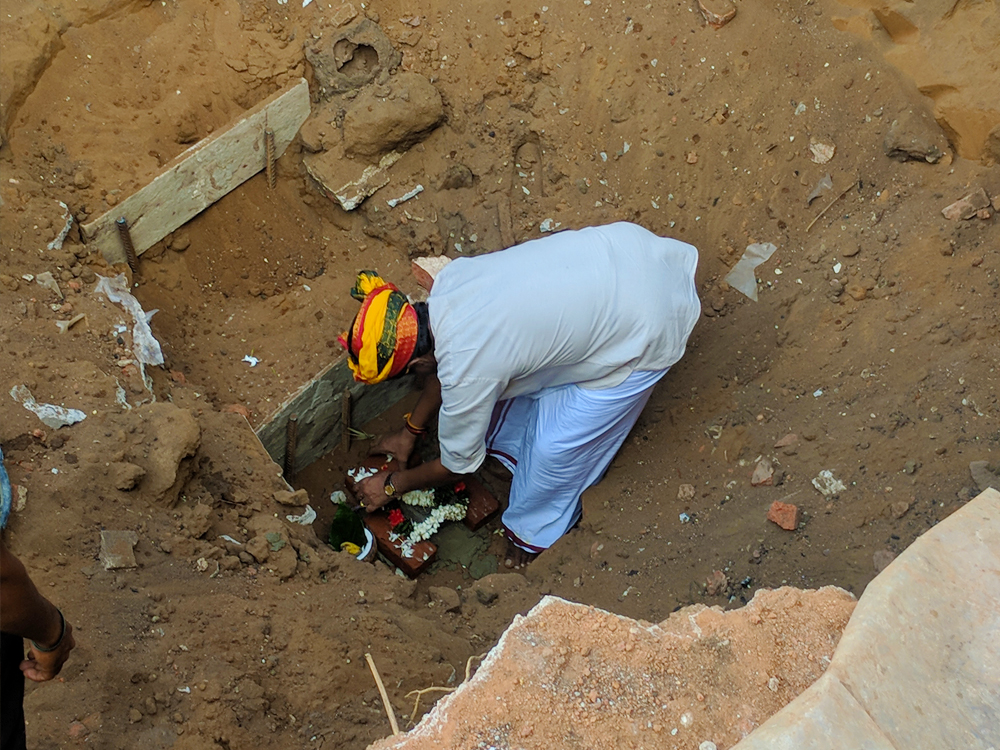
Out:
{"x": 557, "y": 443}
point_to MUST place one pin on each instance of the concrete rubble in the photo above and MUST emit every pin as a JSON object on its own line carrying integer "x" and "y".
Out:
{"x": 570, "y": 675}
{"x": 918, "y": 666}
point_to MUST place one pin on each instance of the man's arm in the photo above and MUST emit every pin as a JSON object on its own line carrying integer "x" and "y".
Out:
{"x": 25, "y": 612}
{"x": 400, "y": 444}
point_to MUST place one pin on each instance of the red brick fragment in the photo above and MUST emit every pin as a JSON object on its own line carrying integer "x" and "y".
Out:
{"x": 238, "y": 409}
{"x": 717, "y": 12}
{"x": 786, "y": 515}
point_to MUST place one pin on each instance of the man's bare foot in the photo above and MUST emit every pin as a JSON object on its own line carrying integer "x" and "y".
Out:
{"x": 516, "y": 558}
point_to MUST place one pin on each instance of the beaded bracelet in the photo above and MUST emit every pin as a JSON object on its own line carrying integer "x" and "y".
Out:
{"x": 412, "y": 428}
{"x": 62, "y": 633}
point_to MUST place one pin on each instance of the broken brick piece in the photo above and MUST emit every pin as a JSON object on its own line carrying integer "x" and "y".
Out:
{"x": 717, "y": 12}
{"x": 482, "y": 504}
{"x": 426, "y": 269}
{"x": 423, "y": 552}
{"x": 785, "y": 515}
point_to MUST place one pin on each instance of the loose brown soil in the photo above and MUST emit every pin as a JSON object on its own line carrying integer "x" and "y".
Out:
{"x": 876, "y": 344}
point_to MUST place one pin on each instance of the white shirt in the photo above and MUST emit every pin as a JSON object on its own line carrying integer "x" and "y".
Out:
{"x": 587, "y": 307}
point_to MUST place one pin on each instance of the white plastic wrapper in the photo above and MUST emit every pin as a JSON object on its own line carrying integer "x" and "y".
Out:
{"x": 307, "y": 517}
{"x": 742, "y": 276}
{"x": 828, "y": 484}
{"x": 51, "y": 415}
{"x": 146, "y": 347}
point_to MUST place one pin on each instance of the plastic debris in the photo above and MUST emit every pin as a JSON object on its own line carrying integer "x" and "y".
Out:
{"x": 306, "y": 2}
{"x": 742, "y": 276}
{"x": 65, "y": 325}
{"x": 817, "y": 393}
{"x": 51, "y": 415}
{"x": 338, "y": 497}
{"x": 252, "y": 360}
{"x": 685, "y": 518}
{"x": 120, "y": 396}
{"x": 57, "y": 243}
{"x": 825, "y": 183}
{"x": 549, "y": 225}
{"x": 393, "y": 202}
{"x": 47, "y": 281}
{"x": 230, "y": 539}
{"x": 828, "y": 484}
{"x": 369, "y": 543}
{"x": 307, "y": 516}
{"x": 184, "y": 689}
{"x": 145, "y": 345}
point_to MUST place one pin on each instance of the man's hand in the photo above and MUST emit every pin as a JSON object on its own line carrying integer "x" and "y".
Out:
{"x": 398, "y": 444}
{"x": 42, "y": 666}
{"x": 371, "y": 491}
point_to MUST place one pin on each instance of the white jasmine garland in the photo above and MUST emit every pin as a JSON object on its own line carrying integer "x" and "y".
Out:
{"x": 429, "y": 526}
{"x": 361, "y": 473}
{"x": 419, "y": 498}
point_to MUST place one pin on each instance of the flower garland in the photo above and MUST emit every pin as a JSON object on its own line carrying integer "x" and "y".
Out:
{"x": 408, "y": 534}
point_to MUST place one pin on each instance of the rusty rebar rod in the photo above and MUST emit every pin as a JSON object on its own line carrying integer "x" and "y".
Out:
{"x": 269, "y": 166}
{"x": 291, "y": 440}
{"x": 126, "y": 237}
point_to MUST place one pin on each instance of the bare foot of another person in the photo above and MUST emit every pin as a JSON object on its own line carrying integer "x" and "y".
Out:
{"x": 517, "y": 558}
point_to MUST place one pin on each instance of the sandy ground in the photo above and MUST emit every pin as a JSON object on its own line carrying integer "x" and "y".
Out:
{"x": 874, "y": 339}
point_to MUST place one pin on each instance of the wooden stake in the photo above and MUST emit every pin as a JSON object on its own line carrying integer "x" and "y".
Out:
{"x": 385, "y": 697}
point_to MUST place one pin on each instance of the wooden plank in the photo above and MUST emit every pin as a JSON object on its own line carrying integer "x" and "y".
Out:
{"x": 202, "y": 175}
{"x": 320, "y": 412}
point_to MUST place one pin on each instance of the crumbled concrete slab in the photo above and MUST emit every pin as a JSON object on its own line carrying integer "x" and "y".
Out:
{"x": 345, "y": 181}
{"x": 569, "y": 675}
{"x": 117, "y": 549}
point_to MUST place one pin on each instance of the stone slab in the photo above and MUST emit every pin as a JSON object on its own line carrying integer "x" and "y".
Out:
{"x": 201, "y": 175}
{"x": 117, "y": 549}
{"x": 824, "y": 717}
{"x": 920, "y": 657}
{"x": 921, "y": 653}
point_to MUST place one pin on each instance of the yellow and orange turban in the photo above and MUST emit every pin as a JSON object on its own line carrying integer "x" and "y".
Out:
{"x": 384, "y": 334}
